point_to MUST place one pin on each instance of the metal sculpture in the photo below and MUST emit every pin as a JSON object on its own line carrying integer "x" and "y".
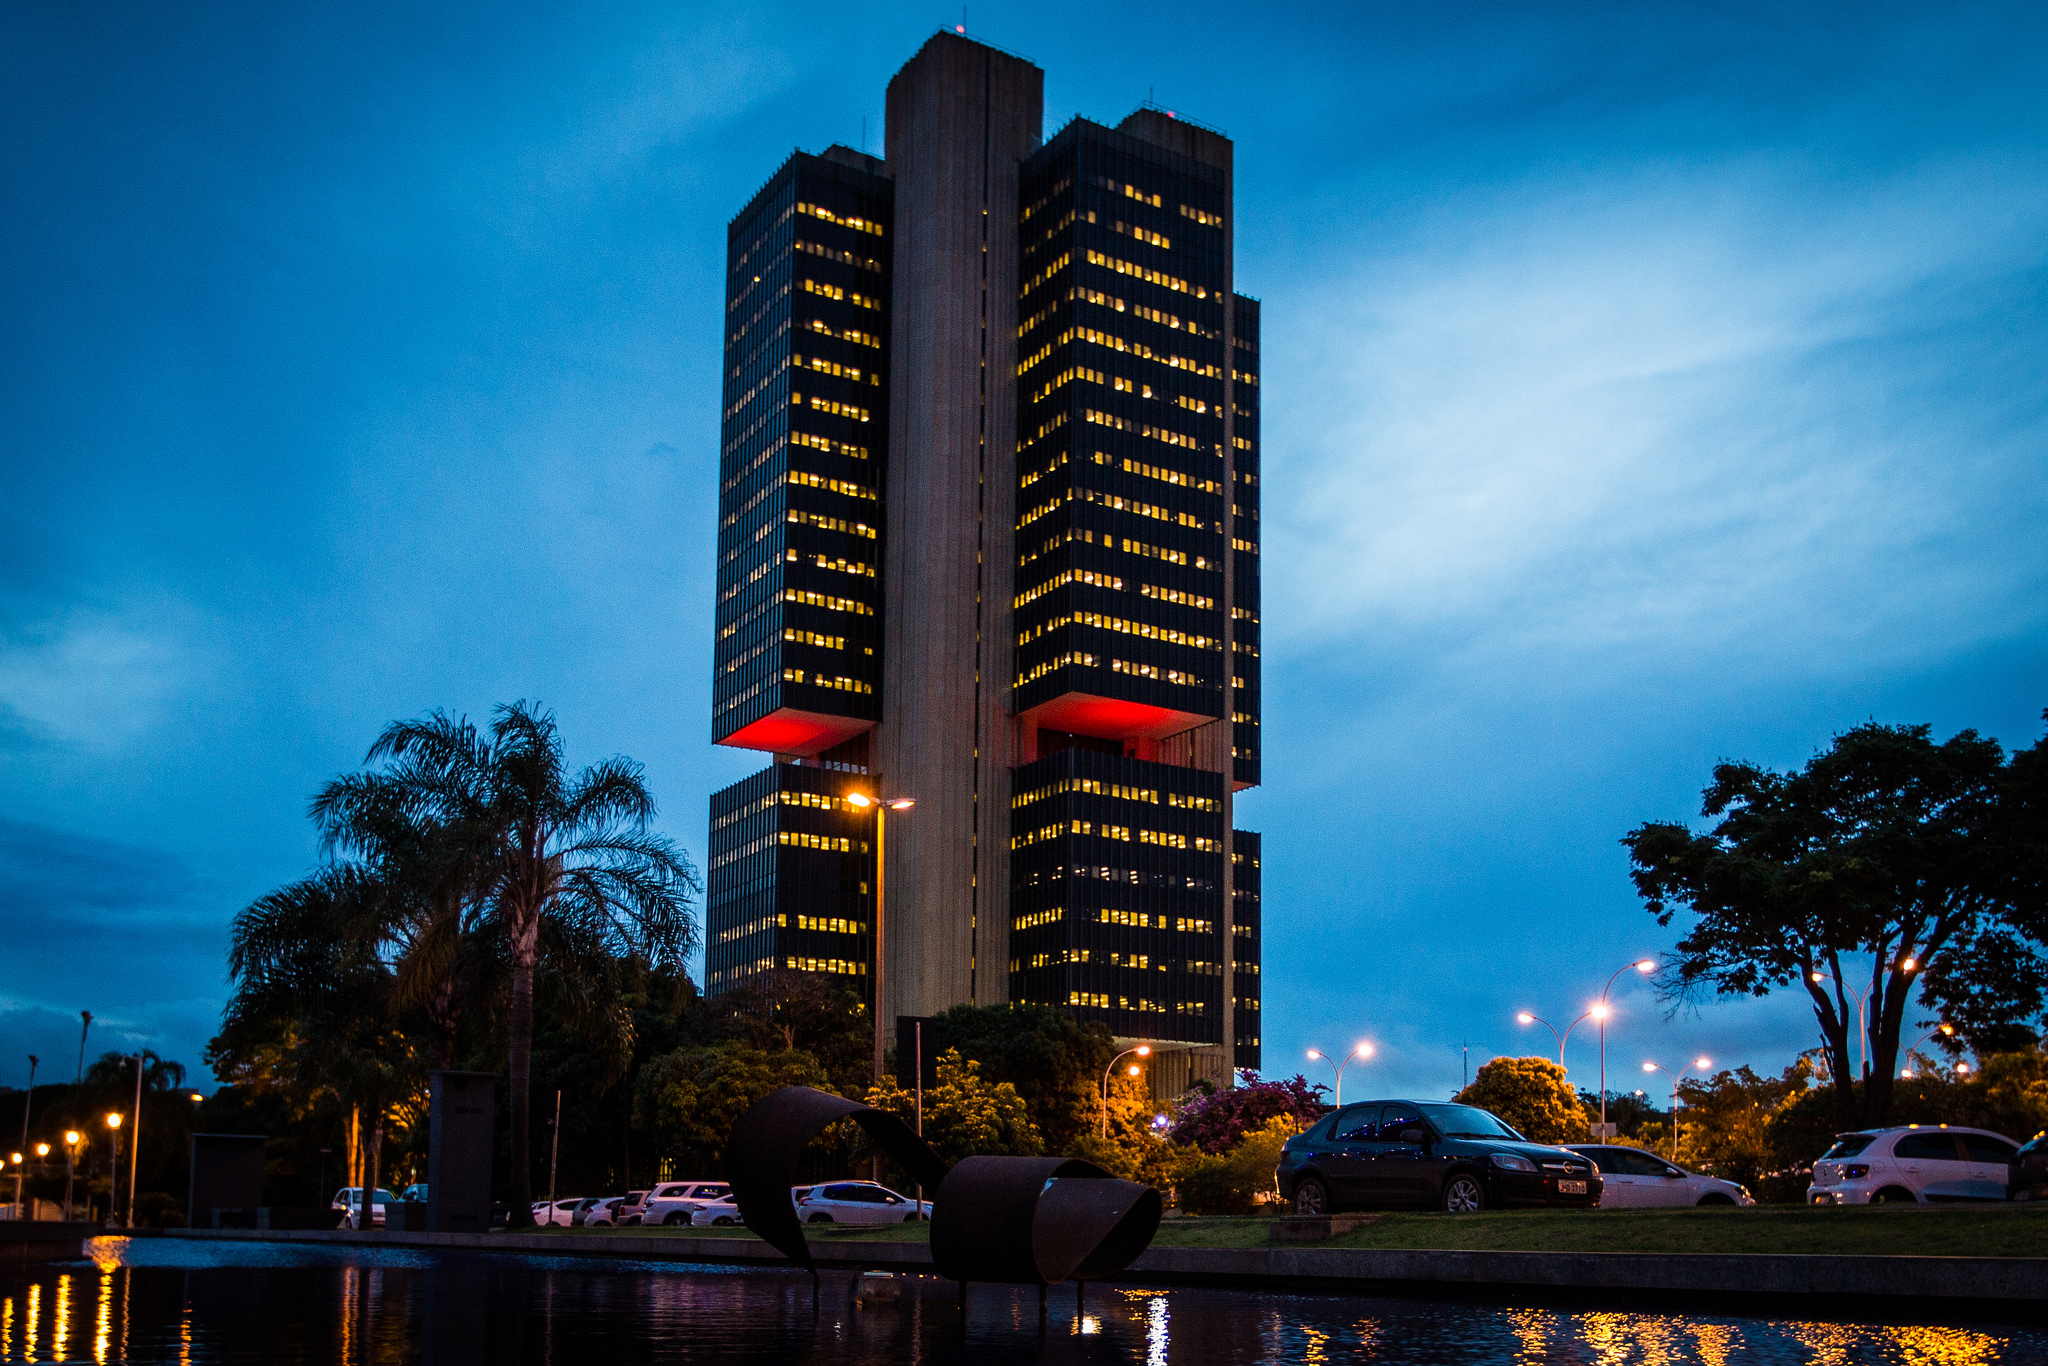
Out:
{"x": 1018, "y": 1220}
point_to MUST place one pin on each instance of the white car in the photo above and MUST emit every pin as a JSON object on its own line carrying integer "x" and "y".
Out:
{"x": 1633, "y": 1178}
{"x": 349, "y": 1200}
{"x": 859, "y": 1202}
{"x": 673, "y": 1202}
{"x": 629, "y": 1209}
{"x": 1913, "y": 1164}
{"x": 720, "y": 1213}
{"x": 562, "y": 1215}
{"x": 602, "y": 1213}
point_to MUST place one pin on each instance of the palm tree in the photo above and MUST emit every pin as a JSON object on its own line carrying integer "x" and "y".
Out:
{"x": 572, "y": 872}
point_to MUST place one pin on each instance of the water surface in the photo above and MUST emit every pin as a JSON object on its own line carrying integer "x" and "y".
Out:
{"x": 167, "y": 1300}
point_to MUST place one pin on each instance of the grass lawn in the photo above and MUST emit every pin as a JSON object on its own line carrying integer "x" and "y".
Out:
{"x": 1994, "y": 1231}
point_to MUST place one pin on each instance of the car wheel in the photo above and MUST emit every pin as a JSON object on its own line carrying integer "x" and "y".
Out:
{"x": 1894, "y": 1195}
{"x": 1464, "y": 1195}
{"x": 1715, "y": 1198}
{"x": 723, "y": 1221}
{"x": 670, "y": 1220}
{"x": 1310, "y": 1198}
{"x": 821, "y": 1218}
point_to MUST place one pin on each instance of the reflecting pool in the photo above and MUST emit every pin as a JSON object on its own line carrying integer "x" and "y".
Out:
{"x": 167, "y": 1300}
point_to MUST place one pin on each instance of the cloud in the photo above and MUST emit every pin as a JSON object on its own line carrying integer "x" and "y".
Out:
{"x": 1713, "y": 411}
{"x": 90, "y": 678}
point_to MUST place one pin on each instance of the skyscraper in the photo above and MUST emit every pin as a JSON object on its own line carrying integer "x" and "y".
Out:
{"x": 988, "y": 539}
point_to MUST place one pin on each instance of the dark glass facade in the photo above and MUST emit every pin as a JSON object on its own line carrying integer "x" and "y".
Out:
{"x": 801, "y": 467}
{"x": 789, "y": 879}
{"x": 1116, "y": 891}
{"x": 1244, "y": 861}
{"x": 1244, "y": 522}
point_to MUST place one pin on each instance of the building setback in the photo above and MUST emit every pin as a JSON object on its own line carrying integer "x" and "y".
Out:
{"x": 988, "y": 539}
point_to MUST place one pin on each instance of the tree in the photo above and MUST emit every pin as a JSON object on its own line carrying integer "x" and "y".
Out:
{"x": 1226, "y": 1182}
{"x": 571, "y": 868}
{"x": 1217, "y": 1121}
{"x": 1726, "y": 1120}
{"x": 1532, "y": 1096}
{"x": 690, "y": 1099}
{"x": 783, "y": 1010}
{"x": 1054, "y": 1059}
{"x": 965, "y": 1115}
{"x": 1927, "y": 857}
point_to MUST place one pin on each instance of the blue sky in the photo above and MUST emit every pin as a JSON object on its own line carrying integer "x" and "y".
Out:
{"x": 1642, "y": 390}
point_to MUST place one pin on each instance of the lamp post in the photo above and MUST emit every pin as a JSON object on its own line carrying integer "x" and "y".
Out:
{"x": 883, "y": 806}
{"x": 1945, "y": 1029}
{"x": 134, "y": 1141}
{"x": 1364, "y": 1050}
{"x": 1526, "y": 1018}
{"x": 1143, "y": 1050}
{"x": 72, "y": 1138}
{"x": 86, "y": 1016}
{"x": 1702, "y": 1064}
{"x": 1645, "y": 966}
{"x": 1862, "y": 1032}
{"x": 27, "y": 1103}
{"x": 114, "y": 1167}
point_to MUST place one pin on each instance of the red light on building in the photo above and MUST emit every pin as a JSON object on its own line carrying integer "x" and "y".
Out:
{"x": 1108, "y": 718}
{"x": 789, "y": 731}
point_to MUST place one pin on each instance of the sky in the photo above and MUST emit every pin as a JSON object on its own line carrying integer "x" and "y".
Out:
{"x": 1643, "y": 388}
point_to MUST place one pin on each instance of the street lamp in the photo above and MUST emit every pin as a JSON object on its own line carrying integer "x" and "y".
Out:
{"x": 72, "y": 1138}
{"x": 883, "y": 806}
{"x": 114, "y": 1171}
{"x": 1526, "y": 1018}
{"x": 1947, "y": 1030}
{"x": 1702, "y": 1064}
{"x": 1645, "y": 966}
{"x": 1862, "y": 1034}
{"x": 1364, "y": 1050}
{"x": 1143, "y": 1050}
{"x": 27, "y": 1103}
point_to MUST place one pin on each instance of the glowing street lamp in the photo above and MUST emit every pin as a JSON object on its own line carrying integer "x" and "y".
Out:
{"x": 1645, "y": 966}
{"x": 72, "y": 1138}
{"x": 1526, "y": 1017}
{"x": 1143, "y": 1050}
{"x": 1703, "y": 1064}
{"x": 883, "y": 806}
{"x": 1364, "y": 1050}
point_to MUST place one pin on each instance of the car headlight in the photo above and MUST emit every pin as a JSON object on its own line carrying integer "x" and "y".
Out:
{"x": 1510, "y": 1162}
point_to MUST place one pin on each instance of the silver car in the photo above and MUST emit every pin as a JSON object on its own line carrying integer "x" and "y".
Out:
{"x": 1913, "y": 1164}
{"x": 859, "y": 1202}
{"x": 1636, "y": 1179}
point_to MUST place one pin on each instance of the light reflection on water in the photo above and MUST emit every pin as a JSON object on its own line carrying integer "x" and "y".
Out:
{"x": 167, "y": 1300}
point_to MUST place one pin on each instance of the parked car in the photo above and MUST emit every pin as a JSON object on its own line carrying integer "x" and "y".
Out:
{"x": 1634, "y": 1179}
{"x": 2027, "y": 1173}
{"x": 1387, "y": 1154}
{"x": 349, "y": 1200}
{"x": 859, "y": 1202}
{"x": 719, "y": 1213}
{"x": 603, "y": 1213}
{"x": 415, "y": 1192}
{"x": 674, "y": 1202}
{"x": 1913, "y": 1164}
{"x": 630, "y": 1208}
{"x": 561, "y": 1215}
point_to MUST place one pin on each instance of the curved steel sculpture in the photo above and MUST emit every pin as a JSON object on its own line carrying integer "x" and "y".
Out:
{"x": 1020, "y": 1220}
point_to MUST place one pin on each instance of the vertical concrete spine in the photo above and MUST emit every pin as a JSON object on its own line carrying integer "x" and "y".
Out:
{"x": 960, "y": 118}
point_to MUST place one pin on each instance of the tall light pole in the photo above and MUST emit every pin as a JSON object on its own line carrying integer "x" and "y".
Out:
{"x": 134, "y": 1141}
{"x": 27, "y": 1103}
{"x": 1526, "y": 1018}
{"x": 72, "y": 1138}
{"x": 1143, "y": 1050}
{"x": 114, "y": 1166}
{"x": 1702, "y": 1064}
{"x": 1862, "y": 1025}
{"x": 86, "y": 1016}
{"x": 1645, "y": 966}
{"x": 1947, "y": 1030}
{"x": 883, "y": 806}
{"x": 1364, "y": 1050}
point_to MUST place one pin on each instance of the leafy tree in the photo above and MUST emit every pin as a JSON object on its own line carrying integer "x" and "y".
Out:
{"x": 1725, "y": 1126}
{"x": 965, "y": 1114}
{"x": 1053, "y": 1059}
{"x": 1532, "y": 1095}
{"x": 1926, "y": 856}
{"x": 1217, "y": 1121}
{"x": 783, "y": 1010}
{"x": 1227, "y": 1182}
{"x": 573, "y": 873}
{"x": 689, "y": 1099}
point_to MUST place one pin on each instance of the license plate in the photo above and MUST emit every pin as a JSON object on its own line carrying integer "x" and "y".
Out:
{"x": 1571, "y": 1188}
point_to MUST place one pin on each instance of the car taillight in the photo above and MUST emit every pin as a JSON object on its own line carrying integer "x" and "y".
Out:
{"x": 1856, "y": 1171}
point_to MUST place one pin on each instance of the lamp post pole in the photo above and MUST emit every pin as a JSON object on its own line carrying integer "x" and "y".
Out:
{"x": 1364, "y": 1050}
{"x": 72, "y": 1138}
{"x": 1944, "y": 1030}
{"x": 883, "y": 806}
{"x": 1526, "y": 1018}
{"x": 27, "y": 1102}
{"x": 1143, "y": 1051}
{"x": 114, "y": 1164}
{"x": 1702, "y": 1064}
{"x": 135, "y": 1141}
{"x": 86, "y": 1016}
{"x": 1646, "y": 966}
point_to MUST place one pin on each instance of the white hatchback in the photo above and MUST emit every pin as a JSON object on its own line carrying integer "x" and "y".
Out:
{"x": 673, "y": 1202}
{"x": 859, "y": 1202}
{"x": 1913, "y": 1164}
{"x": 1634, "y": 1178}
{"x": 719, "y": 1213}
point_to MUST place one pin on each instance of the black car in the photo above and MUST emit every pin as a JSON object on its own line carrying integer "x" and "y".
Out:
{"x": 1388, "y": 1154}
{"x": 2028, "y": 1175}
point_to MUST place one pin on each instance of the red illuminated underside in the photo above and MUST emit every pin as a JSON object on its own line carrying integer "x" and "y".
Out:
{"x": 789, "y": 731}
{"x": 1110, "y": 719}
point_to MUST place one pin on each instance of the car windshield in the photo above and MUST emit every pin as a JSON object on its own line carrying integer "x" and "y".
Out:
{"x": 1848, "y": 1145}
{"x": 1466, "y": 1121}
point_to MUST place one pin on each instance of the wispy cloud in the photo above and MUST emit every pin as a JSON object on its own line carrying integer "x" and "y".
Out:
{"x": 92, "y": 679}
